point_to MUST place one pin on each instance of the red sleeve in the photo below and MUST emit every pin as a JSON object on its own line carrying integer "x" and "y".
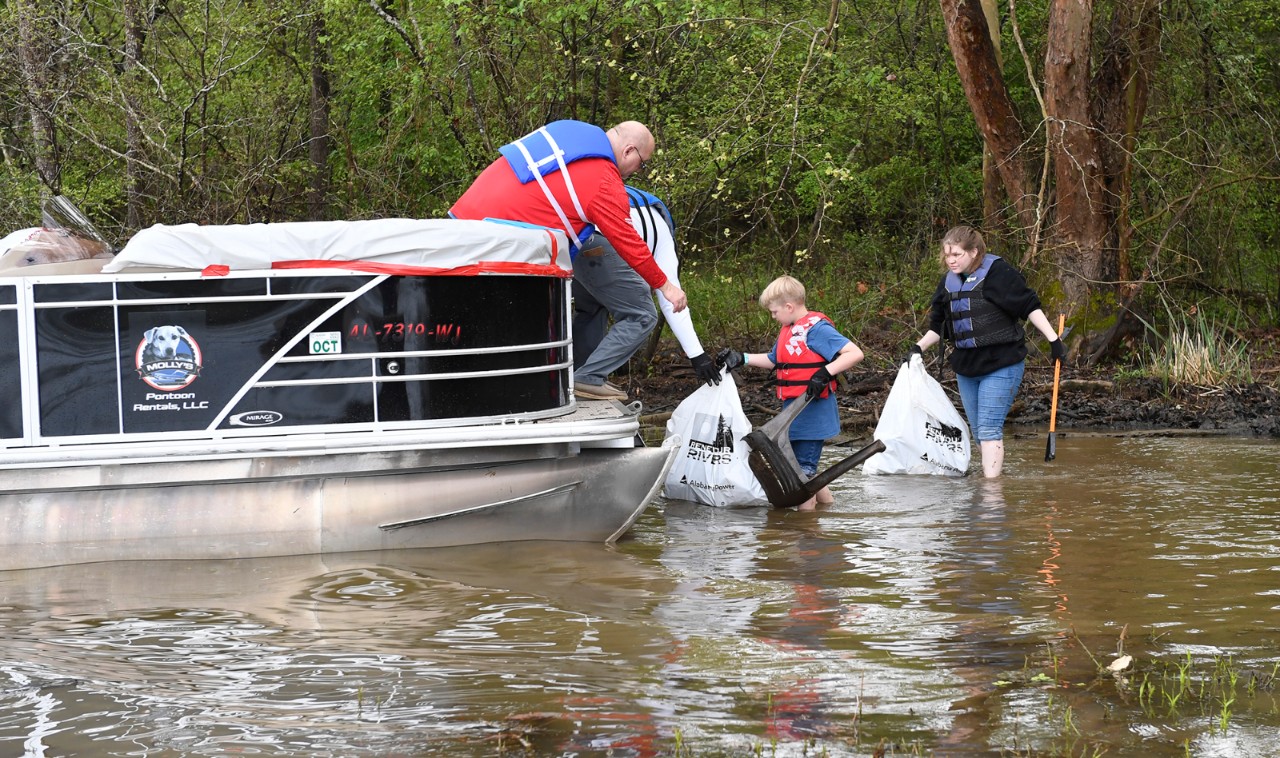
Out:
{"x": 611, "y": 215}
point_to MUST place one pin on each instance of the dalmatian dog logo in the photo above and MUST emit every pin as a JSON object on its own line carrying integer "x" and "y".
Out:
{"x": 168, "y": 358}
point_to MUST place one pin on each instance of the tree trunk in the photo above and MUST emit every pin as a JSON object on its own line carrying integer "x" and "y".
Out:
{"x": 992, "y": 189}
{"x": 468, "y": 78}
{"x": 1121, "y": 88}
{"x": 318, "y": 146}
{"x": 422, "y": 57}
{"x": 1120, "y": 93}
{"x": 35, "y": 54}
{"x": 493, "y": 54}
{"x": 1081, "y": 214}
{"x": 984, "y": 88}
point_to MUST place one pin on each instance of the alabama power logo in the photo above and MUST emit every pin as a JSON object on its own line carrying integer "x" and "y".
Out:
{"x": 168, "y": 358}
{"x": 705, "y": 486}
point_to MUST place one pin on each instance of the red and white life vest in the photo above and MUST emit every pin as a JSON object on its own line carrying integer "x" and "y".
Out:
{"x": 796, "y": 362}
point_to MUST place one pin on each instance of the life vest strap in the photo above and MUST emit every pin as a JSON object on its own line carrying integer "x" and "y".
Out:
{"x": 555, "y": 205}
{"x": 574, "y": 240}
{"x": 564, "y": 169}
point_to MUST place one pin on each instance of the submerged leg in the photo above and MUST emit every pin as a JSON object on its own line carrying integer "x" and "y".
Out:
{"x": 992, "y": 457}
{"x": 986, "y": 402}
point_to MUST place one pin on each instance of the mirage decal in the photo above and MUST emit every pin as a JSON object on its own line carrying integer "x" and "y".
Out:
{"x": 255, "y": 418}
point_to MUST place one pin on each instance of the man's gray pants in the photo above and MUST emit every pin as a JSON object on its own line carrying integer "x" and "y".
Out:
{"x": 604, "y": 285}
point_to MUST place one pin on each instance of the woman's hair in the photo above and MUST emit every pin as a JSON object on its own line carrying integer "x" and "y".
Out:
{"x": 965, "y": 238}
{"x": 784, "y": 289}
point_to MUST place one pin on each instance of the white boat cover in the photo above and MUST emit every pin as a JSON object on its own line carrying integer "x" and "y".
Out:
{"x": 390, "y": 246}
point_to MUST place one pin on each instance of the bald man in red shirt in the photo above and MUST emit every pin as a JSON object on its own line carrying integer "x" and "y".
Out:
{"x": 570, "y": 175}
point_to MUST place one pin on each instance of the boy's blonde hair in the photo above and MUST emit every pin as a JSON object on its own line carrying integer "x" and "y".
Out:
{"x": 784, "y": 289}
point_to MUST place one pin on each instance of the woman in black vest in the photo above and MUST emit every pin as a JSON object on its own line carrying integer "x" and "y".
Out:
{"x": 980, "y": 305}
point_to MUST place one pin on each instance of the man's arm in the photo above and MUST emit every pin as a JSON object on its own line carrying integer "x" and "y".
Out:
{"x": 664, "y": 252}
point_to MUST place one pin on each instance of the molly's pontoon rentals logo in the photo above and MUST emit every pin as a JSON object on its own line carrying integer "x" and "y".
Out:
{"x": 168, "y": 358}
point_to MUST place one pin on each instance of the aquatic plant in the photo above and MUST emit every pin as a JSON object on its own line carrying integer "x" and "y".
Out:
{"x": 1186, "y": 688}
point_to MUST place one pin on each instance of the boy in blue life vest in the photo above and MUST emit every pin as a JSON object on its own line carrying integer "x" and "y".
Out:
{"x": 808, "y": 355}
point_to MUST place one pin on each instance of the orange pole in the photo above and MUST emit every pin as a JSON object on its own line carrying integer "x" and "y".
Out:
{"x": 1057, "y": 373}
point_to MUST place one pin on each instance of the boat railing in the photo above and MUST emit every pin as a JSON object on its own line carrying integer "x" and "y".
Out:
{"x": 257, "y": 354}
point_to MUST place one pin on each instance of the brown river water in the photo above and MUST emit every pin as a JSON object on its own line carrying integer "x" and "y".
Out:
{"x": 915, "y": 616}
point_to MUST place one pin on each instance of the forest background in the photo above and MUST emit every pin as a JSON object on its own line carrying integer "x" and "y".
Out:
{"x": 1125, "y": 155}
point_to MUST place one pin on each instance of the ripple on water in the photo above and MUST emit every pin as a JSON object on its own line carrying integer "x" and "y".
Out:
{"x": 952, "y": 613}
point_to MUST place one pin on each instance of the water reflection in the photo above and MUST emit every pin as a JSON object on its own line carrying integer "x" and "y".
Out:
{"x": 339, "y": 654}
{"x": 935, "y": 616}
{"x": 803, "y": 621}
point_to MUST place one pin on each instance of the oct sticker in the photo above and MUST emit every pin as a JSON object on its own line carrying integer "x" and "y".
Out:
{"x": 325, "y": 343}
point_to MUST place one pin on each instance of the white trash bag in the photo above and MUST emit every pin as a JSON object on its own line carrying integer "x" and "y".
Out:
{"x": 711, "y": 467}
{"x": 922, "y": 431}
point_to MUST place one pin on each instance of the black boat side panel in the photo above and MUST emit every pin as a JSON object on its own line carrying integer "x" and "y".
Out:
{"x": 10, "y": 370}
{"x": 178, "y": 355}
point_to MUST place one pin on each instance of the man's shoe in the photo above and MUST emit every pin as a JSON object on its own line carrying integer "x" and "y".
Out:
{"x": 598, "y": 392}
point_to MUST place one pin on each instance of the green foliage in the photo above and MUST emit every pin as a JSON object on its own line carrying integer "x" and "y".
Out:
{"x": 787, "y": 142}
{"x": 864, "y": 301}
{"x": 19, "y": 202}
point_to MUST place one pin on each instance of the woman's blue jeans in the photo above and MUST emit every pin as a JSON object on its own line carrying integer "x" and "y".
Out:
{"x": 987, "y": 399}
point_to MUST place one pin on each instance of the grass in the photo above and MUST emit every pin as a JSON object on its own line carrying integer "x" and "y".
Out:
{"x": 1089, "y": 708}
{"x": 1208, "y": 690}
{"x": 1197, "y": 350}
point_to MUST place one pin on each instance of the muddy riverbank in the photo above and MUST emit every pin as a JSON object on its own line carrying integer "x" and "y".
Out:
{"x": 1099, "y": 399}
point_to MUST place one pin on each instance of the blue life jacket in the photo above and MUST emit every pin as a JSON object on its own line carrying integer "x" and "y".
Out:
{"x": 645, "y": 201}
{"x": 552, "y": 148}
{"x": 638, "y": 198}
{"x": 974, "y": 320}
